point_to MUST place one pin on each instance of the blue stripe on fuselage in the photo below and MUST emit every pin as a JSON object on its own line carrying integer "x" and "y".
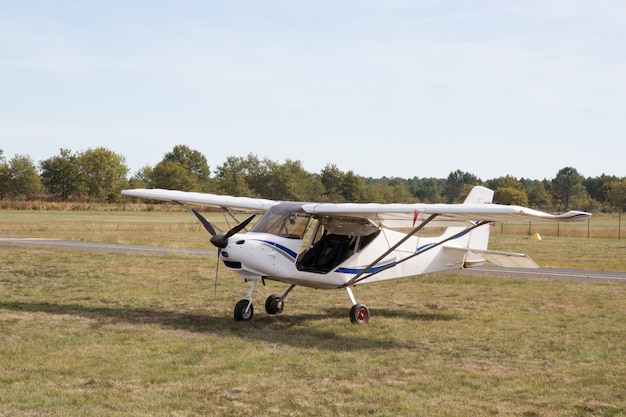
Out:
{"x": 280, "y": 247}
{"x": 369, "y": 271}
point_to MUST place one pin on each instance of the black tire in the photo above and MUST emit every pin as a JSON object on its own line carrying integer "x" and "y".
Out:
{"x": 274, "y": 304}
{"x": 240, "y": 310}
{"x": 359, "y": 314}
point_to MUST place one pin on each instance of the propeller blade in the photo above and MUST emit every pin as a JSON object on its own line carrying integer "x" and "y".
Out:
{"x": 239, "y": 227}
{"x": 217, "y": 269}
{"x": 207, "y": 225}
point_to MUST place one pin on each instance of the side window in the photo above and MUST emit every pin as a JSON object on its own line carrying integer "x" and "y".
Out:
{"x": 297, "y": 224}
{"x": 286, "y": 220}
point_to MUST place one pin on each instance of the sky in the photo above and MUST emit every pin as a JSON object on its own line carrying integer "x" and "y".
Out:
{"x": 415, "y": 88}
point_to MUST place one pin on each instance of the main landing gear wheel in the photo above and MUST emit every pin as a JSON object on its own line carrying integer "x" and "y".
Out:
{"x": 242, "y": 312}
{"x": 274, "y": 304}
{"x": 359, "y": 314}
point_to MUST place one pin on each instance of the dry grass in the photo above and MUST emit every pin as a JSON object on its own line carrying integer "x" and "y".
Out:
{"x": 131, "y": 335}
{"x": 599, "y": 226}
{"x": 566, "y": 252}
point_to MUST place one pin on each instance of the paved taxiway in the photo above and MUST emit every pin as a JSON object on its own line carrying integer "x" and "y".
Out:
{"x": 100, "y": 247}
{"x": 488, "y": 270}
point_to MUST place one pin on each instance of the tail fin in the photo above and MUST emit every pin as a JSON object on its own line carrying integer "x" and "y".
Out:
{"x": 479, "y": 195}
{"x": 479, "y": 237}
{"x": 475, "y": 248}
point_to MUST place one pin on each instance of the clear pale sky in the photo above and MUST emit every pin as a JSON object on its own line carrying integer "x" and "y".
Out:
{"x": 382, "y": 88}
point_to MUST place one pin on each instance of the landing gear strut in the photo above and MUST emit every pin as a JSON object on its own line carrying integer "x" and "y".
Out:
{"x": 243, "y": 309}
{"x": 273, "y": 305}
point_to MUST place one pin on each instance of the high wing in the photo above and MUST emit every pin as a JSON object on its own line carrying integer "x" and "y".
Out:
{"x": 224, "y": 201}
{"x": 411, "y": 215}
{"x": 392, "y": 215}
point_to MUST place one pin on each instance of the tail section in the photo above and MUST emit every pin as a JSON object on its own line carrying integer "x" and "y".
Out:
{"x": 475, "y": 248}
{"x": 477, "y": 239}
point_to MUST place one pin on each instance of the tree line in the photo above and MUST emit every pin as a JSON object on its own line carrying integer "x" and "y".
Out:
{"x": 100, "y": 174}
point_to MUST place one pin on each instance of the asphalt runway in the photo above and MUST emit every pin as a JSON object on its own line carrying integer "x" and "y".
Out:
{"x": 35, "y": 242}
{"x": 485, "y": 270}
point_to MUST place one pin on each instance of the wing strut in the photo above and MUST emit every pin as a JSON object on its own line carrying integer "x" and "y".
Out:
{"x": 359, "y": 277}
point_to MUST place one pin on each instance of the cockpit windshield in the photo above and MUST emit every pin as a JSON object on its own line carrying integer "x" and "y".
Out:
{"x": 285, "y": 220}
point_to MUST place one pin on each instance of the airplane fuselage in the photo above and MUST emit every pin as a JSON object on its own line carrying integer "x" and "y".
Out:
{"x": 261, "y": 255}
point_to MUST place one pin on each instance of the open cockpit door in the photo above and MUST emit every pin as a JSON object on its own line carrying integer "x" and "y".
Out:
{"x": 335, "y": 240}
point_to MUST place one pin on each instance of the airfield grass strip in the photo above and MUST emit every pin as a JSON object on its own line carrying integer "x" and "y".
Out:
{"x": 130, "y": 335}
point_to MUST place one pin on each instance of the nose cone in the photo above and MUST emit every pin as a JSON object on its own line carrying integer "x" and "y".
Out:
{"x": 221, "y": 241}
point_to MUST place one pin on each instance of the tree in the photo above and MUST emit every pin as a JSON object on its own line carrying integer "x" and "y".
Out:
{"x": 596, "y": 186}
{"x": 389, "y": 190}
{"x": 4, "y": 177}
{"x": 194, "y": 162}
{"x": 238, "y": 176}
{"x": 61, "y": 175}
{"x": 510, "y": 195}
{"x": 539, "y": 197}
{"x": 332, "y": 179}
{"x": 339, "y": 186}
{"x": 509, "y": 190}
{"x": 379, "y": 192}
{"x": 565, "y": 185}
{"x": 457, "y": 181}
{"x": 615, "y": 194}
{"x": 173, "y": 176}
{"x": 19, "y": 178}
{"x": 289, "y": 181}
{"x": 505, "y": 182}
{"x": 142, "y": 178}
{"x": 103, "y": 172}
{"x": 354, "y": 188}
{"x": 428, "y": 190}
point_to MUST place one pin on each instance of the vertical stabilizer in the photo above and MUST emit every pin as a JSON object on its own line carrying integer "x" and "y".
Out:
{"x": 479, "y": 237}
{"x": 479, "y": 195}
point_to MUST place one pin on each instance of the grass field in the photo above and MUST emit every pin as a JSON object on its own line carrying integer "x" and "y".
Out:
{"x": 131, "y": 335}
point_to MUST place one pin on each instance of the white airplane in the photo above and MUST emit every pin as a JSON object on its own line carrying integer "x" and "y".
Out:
{"x": 325, "y": 245}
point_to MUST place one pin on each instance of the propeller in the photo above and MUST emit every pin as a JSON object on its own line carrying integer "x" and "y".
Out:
{"x": 211, "y": 229}
{"x": 219, "y": 240}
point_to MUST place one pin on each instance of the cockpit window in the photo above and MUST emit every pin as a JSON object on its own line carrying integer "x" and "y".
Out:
{"x": 285, "y": 220}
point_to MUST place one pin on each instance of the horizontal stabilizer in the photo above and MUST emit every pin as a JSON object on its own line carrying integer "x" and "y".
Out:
{"x": 504, "y": 259}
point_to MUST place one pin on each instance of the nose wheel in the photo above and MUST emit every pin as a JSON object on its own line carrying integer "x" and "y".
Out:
{"x": 244, "y": 310}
